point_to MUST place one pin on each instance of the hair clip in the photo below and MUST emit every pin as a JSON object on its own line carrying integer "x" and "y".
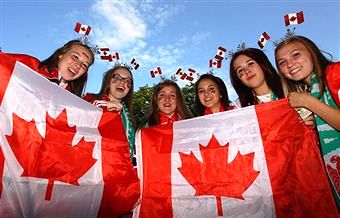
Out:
{"x": 240, "y": 47}
{"x": 290, "y": 19}
{"x": 289, "y": 34}
{"x": 122, "y": 64}
{"x": 173, "y": 78}
{"x": 85, "y": 30}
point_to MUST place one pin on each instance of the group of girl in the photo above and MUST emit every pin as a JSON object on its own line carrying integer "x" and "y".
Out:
{"x": 306, "y": 77}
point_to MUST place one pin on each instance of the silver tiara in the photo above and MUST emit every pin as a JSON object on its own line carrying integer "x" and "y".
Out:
{"x": 240, "y": 47}
{"x": 289, "y": 34}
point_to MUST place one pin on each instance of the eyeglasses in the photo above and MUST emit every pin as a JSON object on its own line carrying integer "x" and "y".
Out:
{"x": 117, "y": 78}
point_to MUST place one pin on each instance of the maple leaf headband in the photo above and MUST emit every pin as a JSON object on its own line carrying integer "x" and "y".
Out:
{"x": 289, "y": 19}
{"x": 104, "y": 53}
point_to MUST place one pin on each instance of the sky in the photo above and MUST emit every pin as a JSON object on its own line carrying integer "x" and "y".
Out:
{"x": 165, "y": 34}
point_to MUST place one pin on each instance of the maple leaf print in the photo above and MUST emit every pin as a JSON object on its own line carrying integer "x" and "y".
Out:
{"x": 214, "y": 176}
{"x": 53, "y": 157}
{"x": 334, "y": 174}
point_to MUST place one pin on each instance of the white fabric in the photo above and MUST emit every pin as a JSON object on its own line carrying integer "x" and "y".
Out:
{"x": 240, "y": 129}
{"x": 25, "y": 196}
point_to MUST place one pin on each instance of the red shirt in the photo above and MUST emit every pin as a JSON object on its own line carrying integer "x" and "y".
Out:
{"x": 209, "y": 111}
{"x": 164, "y": 119}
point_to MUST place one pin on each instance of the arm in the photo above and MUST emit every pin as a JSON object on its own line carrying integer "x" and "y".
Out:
{"x": 329, "y": 114}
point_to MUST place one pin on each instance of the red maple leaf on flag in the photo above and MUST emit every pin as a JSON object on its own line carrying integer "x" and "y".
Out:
{"x": 215, "y": 176}
{"x": 51, "y": 157}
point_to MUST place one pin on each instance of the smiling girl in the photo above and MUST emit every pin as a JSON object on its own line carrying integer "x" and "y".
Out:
{"x": 116, "y": 95}
{"x": 314, "y": 83}
{"x": 211, "y": 95}
{"x": 67, "y": 66}
{"x": 167, "y": 105}
{"x": 254, "y": 78}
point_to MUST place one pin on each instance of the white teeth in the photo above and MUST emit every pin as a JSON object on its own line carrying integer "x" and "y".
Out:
{"x": 295, "y": 70}
{"x": 70, "y": 69}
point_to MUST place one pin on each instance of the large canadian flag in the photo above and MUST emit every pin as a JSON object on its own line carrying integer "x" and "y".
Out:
{"x": 60, "y": 156}
{"x": 257, "y": 161}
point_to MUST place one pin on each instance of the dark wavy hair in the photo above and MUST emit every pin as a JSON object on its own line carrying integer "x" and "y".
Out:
{"x": 105, "y": 88}
{"x": 151, "y": 118}
{"x": 319, "y": 61}
{"x": 221, "y": 87}
{"x": 271, "y": 76}
{"x": 78, "y": 85}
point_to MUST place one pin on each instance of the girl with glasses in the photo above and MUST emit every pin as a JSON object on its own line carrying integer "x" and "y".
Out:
{"x": 116, "y": 95}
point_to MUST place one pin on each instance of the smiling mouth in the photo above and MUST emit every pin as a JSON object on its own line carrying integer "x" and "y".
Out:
{"x": 295, "y": 70}
{"x": 72, "y": 71}
{"x": 121, "y": 89}
{"x": 250, "y": 77}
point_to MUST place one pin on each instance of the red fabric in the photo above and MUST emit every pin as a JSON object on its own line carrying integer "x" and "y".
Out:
{"x": 33, "y": 63}
{"x": 333, "y": 81}
{"x": 299, "y": 182}
{"x": 6, "y": 69}
{"x": 121, "y": 183}
{"x": 123, "y": 194}
{"x": 89, "y": 97}
{"x": 164, "y": 119}
{"x": 156, "y": 180}
{"x": 209, "y": 111}
{"x": 294, "y": 164}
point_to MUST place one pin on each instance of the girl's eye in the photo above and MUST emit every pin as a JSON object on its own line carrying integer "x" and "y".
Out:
{"x": 250, "y": 63}
{"x": 297, "y": 54}
{"x": 282, "y": 63}
{"x": 84, "y": 66}
{"x": 212, "y": 90}
{"x": 240, "y": 73}
{"x": 75, "y": 57}
{"x": 200, "y": 91}
{"x": 173, "y": 96}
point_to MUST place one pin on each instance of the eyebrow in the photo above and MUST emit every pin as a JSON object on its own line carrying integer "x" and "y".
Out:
{"x": 122, "y": 76}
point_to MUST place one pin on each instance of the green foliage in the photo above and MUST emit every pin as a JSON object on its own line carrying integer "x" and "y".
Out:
{"x": 189, "y": 97}
{"x": 141, "y": 102}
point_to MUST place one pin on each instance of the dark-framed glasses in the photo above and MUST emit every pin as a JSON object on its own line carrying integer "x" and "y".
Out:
{"x": 117, "y": 78}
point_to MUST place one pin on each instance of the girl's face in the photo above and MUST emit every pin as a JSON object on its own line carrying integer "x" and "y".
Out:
{"x": 167, "y": 100}
{"x": 120, "y": 84}
{"x": 295, "y": 62}
{"x": 74, "y": 63}
{"x": 249, "y": 72}
{"x": 209, "y": 94}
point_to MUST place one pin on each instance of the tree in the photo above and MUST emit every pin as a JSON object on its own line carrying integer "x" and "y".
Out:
{"x": 189, "y": 97}
{"x": 141, "y": 101}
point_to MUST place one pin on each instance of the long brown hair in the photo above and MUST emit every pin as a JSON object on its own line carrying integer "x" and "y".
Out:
{"x": 221, "y": 87}
{"x": 151, "y": 118}
{"x": 320, "y": 62}
{"x": 105, "y": 88}
{"x": 271, "y": 76}
{"x": 78, "y": 85}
